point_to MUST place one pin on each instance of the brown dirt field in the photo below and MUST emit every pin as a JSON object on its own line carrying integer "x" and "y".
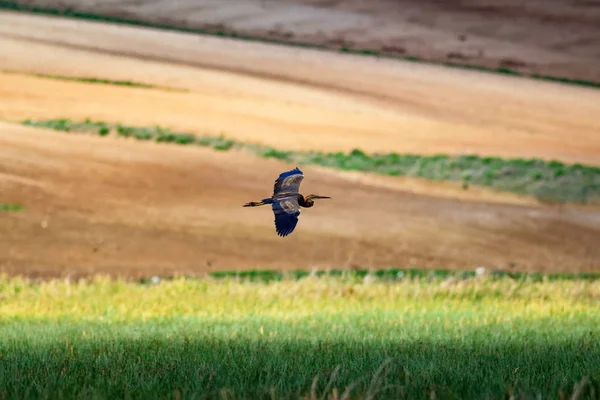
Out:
{"x": 289, "y": 98}
{"x": 551, "y": 37}
{"x": 123, "y": 207}
{"x": 126, "y": 207}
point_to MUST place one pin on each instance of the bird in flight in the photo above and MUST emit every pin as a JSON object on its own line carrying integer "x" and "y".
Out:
{"x": 286, "y": 201}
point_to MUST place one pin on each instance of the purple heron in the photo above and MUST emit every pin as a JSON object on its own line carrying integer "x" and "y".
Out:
{"x": 286, "y": 201}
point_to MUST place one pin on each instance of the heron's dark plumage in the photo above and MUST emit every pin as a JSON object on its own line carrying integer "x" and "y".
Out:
{"x": 286, "y": 201}
{"x": 285, "y": 222}
{"x": 288, "y": 182}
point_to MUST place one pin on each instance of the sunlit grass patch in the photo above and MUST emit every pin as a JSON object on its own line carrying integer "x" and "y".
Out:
{"x": 394, "y": 335}
{"x": 552, "y": 181}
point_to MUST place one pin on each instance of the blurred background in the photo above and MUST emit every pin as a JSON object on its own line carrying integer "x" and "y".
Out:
{"x": 448, "y": 134}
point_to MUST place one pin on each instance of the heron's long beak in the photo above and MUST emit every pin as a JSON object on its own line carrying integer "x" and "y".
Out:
{"x": 320, "y": 197}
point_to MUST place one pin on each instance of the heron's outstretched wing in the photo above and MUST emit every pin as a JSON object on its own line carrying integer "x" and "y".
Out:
{"x": 286, "y": 212}
{"x": 288, "y": 182}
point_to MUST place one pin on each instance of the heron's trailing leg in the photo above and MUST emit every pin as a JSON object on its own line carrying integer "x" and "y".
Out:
{"x": 259, "y": 203}
{"x": 254, "y": 204}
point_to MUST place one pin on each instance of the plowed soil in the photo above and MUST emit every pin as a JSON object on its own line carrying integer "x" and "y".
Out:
{"x": 126, "y": 207}
{"x": 547, "y": 37}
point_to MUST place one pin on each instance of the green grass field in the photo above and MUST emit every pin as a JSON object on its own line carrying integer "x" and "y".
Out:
{"x": 551, "y": 181}
{"x": 399, "y": 335}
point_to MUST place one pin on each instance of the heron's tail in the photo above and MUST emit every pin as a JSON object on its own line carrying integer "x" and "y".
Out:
{"x": 259, "y": 203}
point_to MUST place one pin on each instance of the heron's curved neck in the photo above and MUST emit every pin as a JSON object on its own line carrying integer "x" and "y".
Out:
{"x": 306, "y": 203}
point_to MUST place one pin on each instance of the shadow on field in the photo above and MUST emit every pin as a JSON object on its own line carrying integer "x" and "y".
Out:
{"x": 132, "y": 364}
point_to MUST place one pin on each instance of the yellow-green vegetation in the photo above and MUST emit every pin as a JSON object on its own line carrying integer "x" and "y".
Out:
{"x": 552, "y": 181}
{"x": 397, "y": 335}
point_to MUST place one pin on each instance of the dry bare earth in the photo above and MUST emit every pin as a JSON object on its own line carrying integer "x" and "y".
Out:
{"x": 119, "y": 206}
{"x": 125, "y": 207}
{"x": 552, "y": 37}
{"x": 290, "y": 98}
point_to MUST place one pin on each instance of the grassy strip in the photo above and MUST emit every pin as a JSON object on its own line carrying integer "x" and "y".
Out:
{"x": 4, "y": 207}
{"x": 108, "y": 82}
{"x": 551, "y": 181}
{"x": 395, "y": 274}
{"x": 101, "y": 81}
{"x": 415, "y": 338}
{"x": 18, "y": 6}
